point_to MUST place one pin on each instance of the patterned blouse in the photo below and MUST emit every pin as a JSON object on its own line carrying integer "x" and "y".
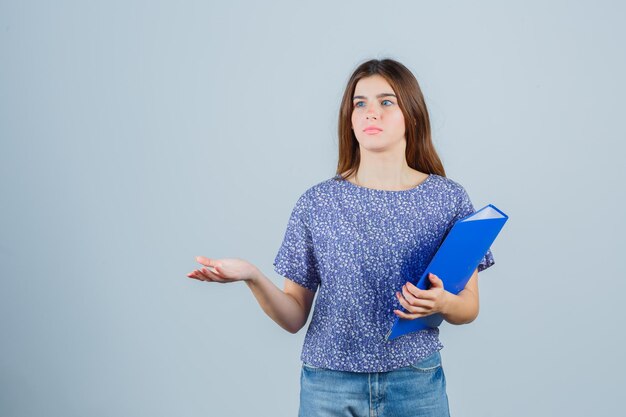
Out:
{"x": 356, "y": 247}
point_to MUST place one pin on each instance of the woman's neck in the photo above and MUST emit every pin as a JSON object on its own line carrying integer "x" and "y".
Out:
{"x": 391, "y": 180}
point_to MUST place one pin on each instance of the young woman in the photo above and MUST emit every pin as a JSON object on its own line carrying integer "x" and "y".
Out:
{"x": 356, "y": 240}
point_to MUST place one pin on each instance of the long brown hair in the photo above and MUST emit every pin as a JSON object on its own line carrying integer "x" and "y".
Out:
{"x": 420, "y": 151}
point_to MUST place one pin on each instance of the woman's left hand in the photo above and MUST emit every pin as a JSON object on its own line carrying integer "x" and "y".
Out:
{"x": 420, "y": 303}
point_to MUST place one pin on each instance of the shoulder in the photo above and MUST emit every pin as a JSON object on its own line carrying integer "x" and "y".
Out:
{"x": 447, "y": 183}
{"x": 315, "y": 195}
{"x": 321, "y": 190}
{"x": 447, "y": 187}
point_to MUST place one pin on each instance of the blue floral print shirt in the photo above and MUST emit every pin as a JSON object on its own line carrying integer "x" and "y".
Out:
{"x": 357, "y": 246}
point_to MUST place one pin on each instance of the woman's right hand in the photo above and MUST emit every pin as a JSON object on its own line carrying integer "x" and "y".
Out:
{"x": 224, "y": 270}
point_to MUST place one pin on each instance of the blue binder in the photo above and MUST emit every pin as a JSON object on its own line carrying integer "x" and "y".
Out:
{"x": 458, "y": 256}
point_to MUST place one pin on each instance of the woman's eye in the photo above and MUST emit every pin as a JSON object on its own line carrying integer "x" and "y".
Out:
{"x": 358, "y": 103}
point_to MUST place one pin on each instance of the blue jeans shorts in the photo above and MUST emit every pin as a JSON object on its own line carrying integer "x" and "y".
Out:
{"x": 415, "y": 390}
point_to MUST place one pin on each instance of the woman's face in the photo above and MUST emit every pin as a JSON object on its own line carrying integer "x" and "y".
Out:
{"x": 375, "y": 105}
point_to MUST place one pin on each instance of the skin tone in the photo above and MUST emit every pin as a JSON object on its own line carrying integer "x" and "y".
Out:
{"x": 288, "y": 308}
{"x": 383, "y": 163}
{"x": 383, "y": 166}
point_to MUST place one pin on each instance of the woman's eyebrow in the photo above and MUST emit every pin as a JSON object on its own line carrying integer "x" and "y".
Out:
{"x": 378, "y": 96}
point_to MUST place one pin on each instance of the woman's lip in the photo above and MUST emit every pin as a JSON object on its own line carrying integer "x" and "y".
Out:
{"x": 372, "y": 131}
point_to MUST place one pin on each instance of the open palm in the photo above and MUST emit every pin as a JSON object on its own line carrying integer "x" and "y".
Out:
{"x": 223, "y": 270}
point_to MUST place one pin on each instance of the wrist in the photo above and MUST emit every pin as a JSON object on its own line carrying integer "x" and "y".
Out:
{"x": 253, "y": 277}
{"x": 447, "y": 300}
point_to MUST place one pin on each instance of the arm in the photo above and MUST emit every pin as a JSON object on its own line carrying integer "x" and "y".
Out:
{"x": 455, "y": 309}
{"x": 463, "y": 307}
{"x": 289, "y": 308}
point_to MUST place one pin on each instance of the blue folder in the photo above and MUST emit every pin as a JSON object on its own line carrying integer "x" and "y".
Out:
{"x": 462, "y": 249}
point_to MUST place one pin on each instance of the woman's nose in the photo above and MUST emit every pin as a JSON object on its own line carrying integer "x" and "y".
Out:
{"x": 372, "y": 113}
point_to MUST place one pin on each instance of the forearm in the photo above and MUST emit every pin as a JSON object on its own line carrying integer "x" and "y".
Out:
{"x": 461, "y": 308}
{"x": 280, "y": 307}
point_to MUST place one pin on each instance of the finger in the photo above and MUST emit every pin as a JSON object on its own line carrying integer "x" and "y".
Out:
{"x": 412, "y": 308}
{"x": 205, "y": 261}
{"x": 212, "y": 276}
{"x": 413, "y": 290}
{"x": 435, "y": 281}
{"x": 408, "y": 316}
{"x": 198, "y": 275}
{"x": 193, "y": 274}
{"x": 403, "y": 302}
{"x": 410, "y": 294}
{"x": 421, "y": 294}
{"x": 424, "y": 305}
{"x": 425, "y": 294}
{"x": 205, "y": 274}
{"x": 416, "y": 303}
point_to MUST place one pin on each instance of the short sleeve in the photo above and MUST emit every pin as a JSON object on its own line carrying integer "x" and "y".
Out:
{"x": 296, "y": 258}
{"x": 465, "y": 208}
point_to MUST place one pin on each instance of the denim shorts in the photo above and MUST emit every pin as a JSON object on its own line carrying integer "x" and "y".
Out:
{"x": 415, "y": 390}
